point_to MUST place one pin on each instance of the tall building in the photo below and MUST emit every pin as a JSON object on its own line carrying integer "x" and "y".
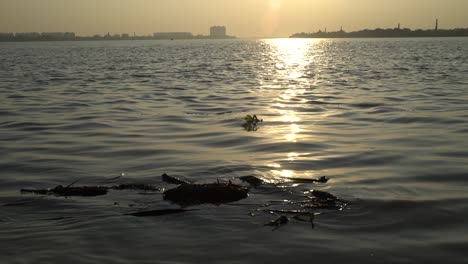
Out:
{"x": 218, "y": 32}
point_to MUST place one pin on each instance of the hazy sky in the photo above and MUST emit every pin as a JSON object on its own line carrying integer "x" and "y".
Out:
{"x": 243, "y": 18}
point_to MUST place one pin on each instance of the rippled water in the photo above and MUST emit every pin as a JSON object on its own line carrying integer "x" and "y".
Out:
{"x": 385, "y": 119}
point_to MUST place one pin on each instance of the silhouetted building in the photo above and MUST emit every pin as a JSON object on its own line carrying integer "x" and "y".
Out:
{"x": 52, "y": 34}
{"x": 218, "y": 32}
{"x": 27, "y": 35}
{"x": 387, "y": 33}
{"x": 7, "y": 36}
{"x": 437, "y": 25}
{"x": 57, "y": 35}
{"x": 173, "y": 35}
{"x": 69, "y": 35}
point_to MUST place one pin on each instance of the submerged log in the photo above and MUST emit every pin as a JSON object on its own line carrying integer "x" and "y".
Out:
{"x": 214, "y": 193}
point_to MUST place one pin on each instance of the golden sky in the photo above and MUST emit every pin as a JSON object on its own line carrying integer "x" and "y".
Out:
{"x": 243, "y": 18}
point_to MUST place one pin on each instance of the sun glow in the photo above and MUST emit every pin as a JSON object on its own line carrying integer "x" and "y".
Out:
{"x": 275, "y": 4}
{"x": 270, "y": 20}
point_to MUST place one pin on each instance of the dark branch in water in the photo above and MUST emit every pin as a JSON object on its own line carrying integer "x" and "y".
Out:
{"x": 322, "y": 179}
{"x": 141, "y": 187}
{"x": 173, "y": 180}
{"x": 70, "y": 191}
{"x": 88, "y": 190}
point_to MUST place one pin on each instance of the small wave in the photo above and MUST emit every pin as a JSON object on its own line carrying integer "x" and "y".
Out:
{"x": 366, "y": 105}
{"x": 141, "y": 75}
{"x": 84, "y": 126}
{"x": 28, "y": 126}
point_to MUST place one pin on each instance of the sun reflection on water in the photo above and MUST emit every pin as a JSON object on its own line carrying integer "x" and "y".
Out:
{"x": 292, "y": 58}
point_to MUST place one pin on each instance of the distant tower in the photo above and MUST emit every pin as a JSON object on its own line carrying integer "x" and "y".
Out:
{"x": 398, "y": 26}
{"x": 218, "y": 32}
{"x": 325, "y": 30}
{"x": 437, "y": 24}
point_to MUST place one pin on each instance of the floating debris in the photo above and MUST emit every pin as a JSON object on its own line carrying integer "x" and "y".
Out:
{"x": 324, "y": 195}
{"x": 70, "y": 191}
{"x": 303, "y": 209}
{"x": 88, "y": 190}
{"x": 214, "y": 193}
{"x": 322, "y": 179}
{"x": 141, "y": 187}
{"x": 251, "y": 122}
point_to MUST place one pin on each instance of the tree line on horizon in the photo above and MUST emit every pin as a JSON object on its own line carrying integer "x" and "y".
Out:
{"x": 383, "y": 33}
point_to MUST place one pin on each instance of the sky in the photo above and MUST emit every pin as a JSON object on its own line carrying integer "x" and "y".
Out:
{"x": 243, "y": 18}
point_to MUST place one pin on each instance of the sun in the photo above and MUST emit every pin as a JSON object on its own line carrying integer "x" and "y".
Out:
{"x": 275, "y": 4}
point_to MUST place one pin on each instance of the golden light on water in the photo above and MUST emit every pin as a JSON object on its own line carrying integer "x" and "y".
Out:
{"x": 283, "y": 173}
{"x": 291, "y": 58}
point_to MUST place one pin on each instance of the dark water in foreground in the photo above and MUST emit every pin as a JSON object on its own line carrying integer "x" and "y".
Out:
{"x": 386, "y": 120}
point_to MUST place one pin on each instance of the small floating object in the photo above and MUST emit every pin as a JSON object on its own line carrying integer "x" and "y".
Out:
{"x": 251, "y": 122}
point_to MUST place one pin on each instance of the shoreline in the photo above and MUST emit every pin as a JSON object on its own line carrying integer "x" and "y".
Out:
{"x": 387, "y": 33}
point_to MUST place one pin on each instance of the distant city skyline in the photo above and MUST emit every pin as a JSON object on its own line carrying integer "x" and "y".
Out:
{"x": 243, "y": 18}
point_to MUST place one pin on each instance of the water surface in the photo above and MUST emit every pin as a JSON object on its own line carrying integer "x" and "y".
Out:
{"x": 385, "y": 119}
